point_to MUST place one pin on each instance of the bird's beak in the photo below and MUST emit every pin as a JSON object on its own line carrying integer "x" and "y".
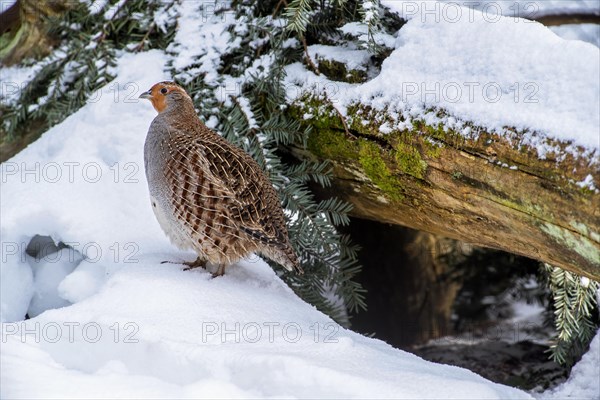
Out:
{"x": 146, "y": 95}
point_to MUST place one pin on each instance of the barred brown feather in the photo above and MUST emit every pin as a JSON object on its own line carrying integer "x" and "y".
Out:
{"x": 207, "y": 194}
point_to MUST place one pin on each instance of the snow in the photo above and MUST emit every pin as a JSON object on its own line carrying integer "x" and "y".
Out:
{"x": 109, "y": 320}
{"x": 13, "y": 81}
{"x": 352, "y": 58}
{"x": 83, "y": 282}
{"x": 95, "y": 6}
{"x": 6, "y": 4}
{"x": 201, "y": 44}
{"x": 584, "y": 382}
{"x": 154, "y": 331}
{"x": 16, "y": 288}
{"x": 508, "y": 73}
{"x": 244, "y": 105}
{"x": 586, "y": 32}
{"x": 526, "y": 323}
{"x": 508, "y": 8}
{"x": 122, "y": 324}
{"x": 70, "y": 191}
{"x": 48, "y": 273}
{"x": 587, "y": 183}
{"x": 524, "y": 76}
{"x": 112, "y": 10}
{"x": 360, "y": 31}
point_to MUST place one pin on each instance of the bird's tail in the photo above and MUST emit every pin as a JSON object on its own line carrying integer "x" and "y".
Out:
{"x": 286, "y": 257}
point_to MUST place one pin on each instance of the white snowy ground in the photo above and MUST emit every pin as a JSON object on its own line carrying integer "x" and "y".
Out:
{"x": 132, "y": 327}
{"x": 584, "y": 382}
{"x": 586, "y": 32}
{"x": 138, "y": 328}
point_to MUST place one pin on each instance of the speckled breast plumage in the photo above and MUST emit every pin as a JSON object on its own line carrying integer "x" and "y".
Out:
{"x": 210, "y": 196}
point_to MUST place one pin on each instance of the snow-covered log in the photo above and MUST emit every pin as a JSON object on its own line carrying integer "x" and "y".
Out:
{"x": 496, "y": 144}
{"x": 482, "y": 191}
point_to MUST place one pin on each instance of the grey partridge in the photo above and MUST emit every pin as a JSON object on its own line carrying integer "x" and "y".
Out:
{"x": 207, "y": 194}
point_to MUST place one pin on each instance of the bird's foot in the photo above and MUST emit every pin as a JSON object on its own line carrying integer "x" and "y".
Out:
{"x": 199, "y": 263}
{"x": 219, "y": 271}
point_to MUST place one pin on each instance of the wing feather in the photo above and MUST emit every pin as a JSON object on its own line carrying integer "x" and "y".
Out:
{"x": 248, "y": 198}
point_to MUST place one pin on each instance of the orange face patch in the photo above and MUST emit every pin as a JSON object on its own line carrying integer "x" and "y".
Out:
{"x": 158, "y": 99}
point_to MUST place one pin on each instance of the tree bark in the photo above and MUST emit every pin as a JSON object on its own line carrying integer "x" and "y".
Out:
{"x": 24, "y": 31}
{"x": 487, "y": 192}
{"x": 568, "y": 19}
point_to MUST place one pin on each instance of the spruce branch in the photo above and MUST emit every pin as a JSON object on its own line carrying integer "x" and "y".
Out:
{"x": 574, "y": 298}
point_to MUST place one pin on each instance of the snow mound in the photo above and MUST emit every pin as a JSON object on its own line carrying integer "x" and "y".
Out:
{"x": 82, "y": 183}
{"x": 155, "y": 331}
{"x": 494, "y": 72}
{"x": 521, "y": 75}
{"x": 352, "y": 58}
{"x": 129, "y": 326}
{"x": 584, "y": 382}
{"x": 48, "y": 274}
{"x": 585, "y": 32}
{"x": 16, "y": 289}
{"x": 508, "y": 8}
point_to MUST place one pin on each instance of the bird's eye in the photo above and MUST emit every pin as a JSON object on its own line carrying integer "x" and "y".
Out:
{"x": 164, "y": 90}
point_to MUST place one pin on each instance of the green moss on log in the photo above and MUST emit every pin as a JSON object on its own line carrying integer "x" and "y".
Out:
{"x": 335, "y": 145}
{"x": 332, "y": 145}
{"x": 463, "y": 186}
{"x": 373, "y": 164}
{"x": 409, "y": 160}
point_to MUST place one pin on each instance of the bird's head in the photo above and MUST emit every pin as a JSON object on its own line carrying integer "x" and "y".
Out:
{"x": 166, "y": 95}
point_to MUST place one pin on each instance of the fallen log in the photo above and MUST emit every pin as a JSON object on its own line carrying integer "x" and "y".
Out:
{"x": 487, "y": 191}
{"x": 24, "y": 31}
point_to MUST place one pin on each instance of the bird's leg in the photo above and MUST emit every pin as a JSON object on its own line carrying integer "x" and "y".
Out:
{"x": 220, "y": 271}
{"x": 191, "y": 264}
{"x": 200, "y": 262}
